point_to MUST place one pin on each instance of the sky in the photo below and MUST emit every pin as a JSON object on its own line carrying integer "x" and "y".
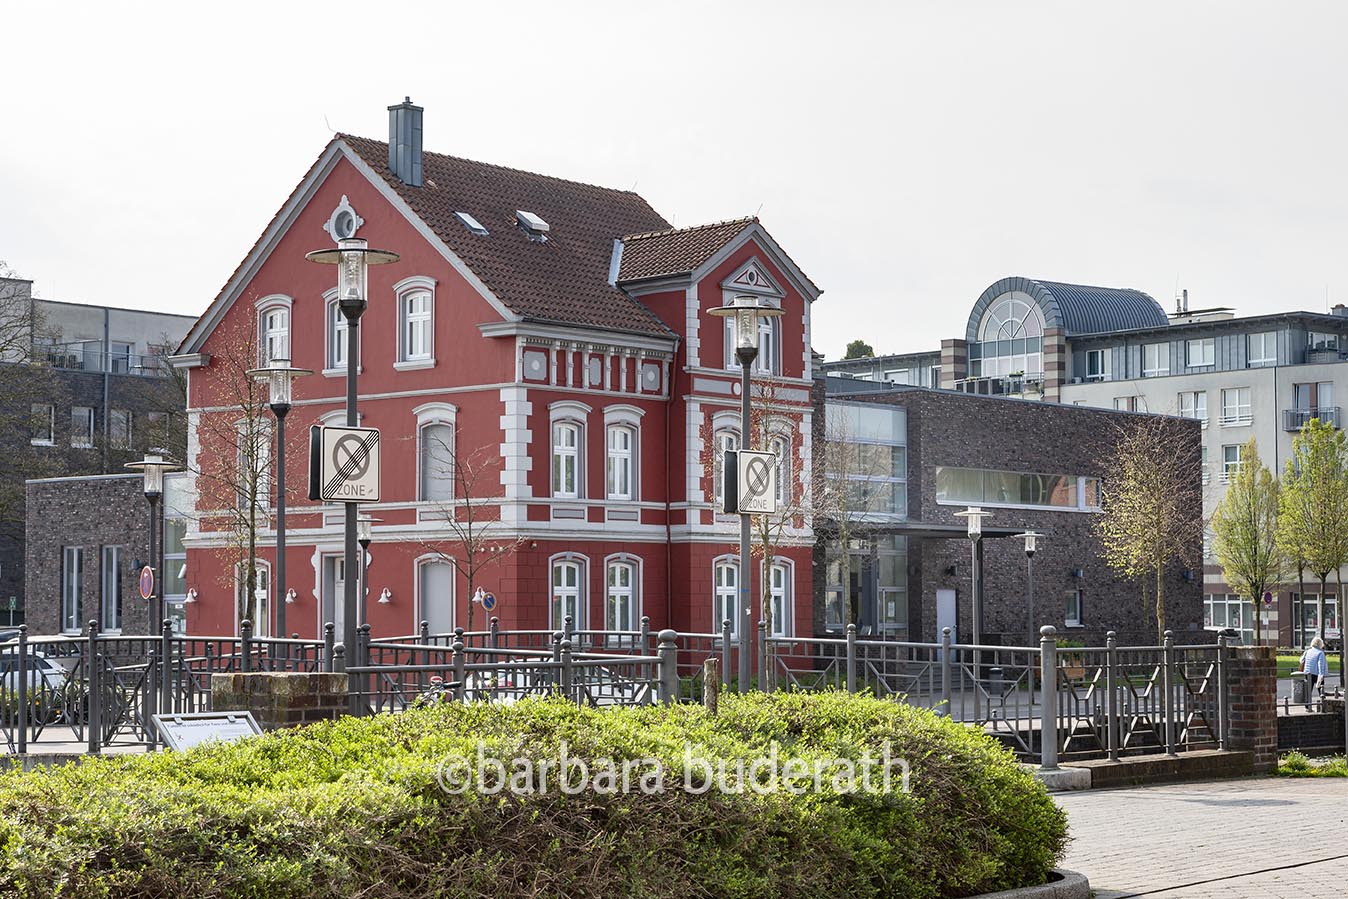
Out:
{"x": 905, "y": 154}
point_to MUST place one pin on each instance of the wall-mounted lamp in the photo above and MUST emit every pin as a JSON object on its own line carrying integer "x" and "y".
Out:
{"x": 291, "y": 596}
{"x": 1188, "y": 575}
{"x": 191, "y": 595}
{"x": 386, "y": 596}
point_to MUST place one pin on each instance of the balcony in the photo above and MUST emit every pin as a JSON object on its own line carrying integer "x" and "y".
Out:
{"x": 1031, "y": 384}
{"x": 1295, "y": 419}
{"x": 83, "y": 357}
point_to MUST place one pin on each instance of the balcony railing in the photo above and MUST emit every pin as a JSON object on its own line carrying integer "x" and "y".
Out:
{"x": 78, "y": 357}
{"x": 1296, "y": 419}
{"x": 1007, "y": 385}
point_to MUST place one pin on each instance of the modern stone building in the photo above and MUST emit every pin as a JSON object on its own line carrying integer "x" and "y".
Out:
{"x": 1254, "y": 377}
{"x": 1033, "y": 466}
{"x": 82, "y": 392}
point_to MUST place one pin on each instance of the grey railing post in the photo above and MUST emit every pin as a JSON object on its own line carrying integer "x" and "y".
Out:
{"x": 166, "y": 655}
{"x": 645, "y": 637}
{"x": 725, "y": 651}
{"x": 1221, "y": 691}
{"x": 339, "y": 658}
{"x": 93, "y": 718}
{"x": 494, "y": 626}
{"x": 363, "y": 646}
{"x": 459, "y": 636}
{"x": 851, "y": 658}
{"x": 1111, "y": 697}
{"x": 568, "y": 674}
{"x": 668, "y": 653}
{"x": 245, "y": 645}
{"x": 328, "y": 663}
{"x": 1048, "y": 702}
{"x": 1167, "y": 691}
{"x": 763, "y": 676}
{"x": 459, "y": 660}
{"x": 424, "y": 633}
{"x": 945, "y": 671}
{"x": 568, "y": 626}
{"x": 23, "y": 689}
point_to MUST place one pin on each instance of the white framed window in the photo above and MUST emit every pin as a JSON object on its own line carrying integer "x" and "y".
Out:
{"x": 568, "y": 591}
{"x": 435, "y": 462}
{"x": 1321, "y": 343}
{"x": 72, "y": 589}
{"x": 82, "y": 427}
{"x": 1194, "y": 404}
{"x": 273, "y": 333}
{"x": 781, "y": 449}
{"x": 769, "y": 358}
{"x": 1073, "y": 614}
{"x": 42, "y": 425}
{"x": 1125, "y": 403}
{"x": 119, "y": 429}
{"x": 1155, "y": 360}
{"x": 1200, "y": 353}
{"x": 779, "y": 599}
{"x": 435, "y": 595}
{"x": 110, "y": 618}
{"x": 1236, "y": 406}
{"x": 898, "y": 375}
{"x": 725, "y": 441}
{"x": 1231, "y": 459}
{"x": 622, "y": 599}
{"x": 621, "y": 455}
{"x": 725, "y": 595}
{"x": 1263, "y": 349}
{"x": 416, "y": 322}
{"x": 338, "y": 329}
{"x": 1097, "y": 365}
{"x": 566, "y": 459}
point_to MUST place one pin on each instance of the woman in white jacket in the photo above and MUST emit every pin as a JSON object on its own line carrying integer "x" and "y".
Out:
{"x": 1316, "y": 666}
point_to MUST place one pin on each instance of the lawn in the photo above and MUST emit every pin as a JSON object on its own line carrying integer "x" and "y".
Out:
{"x": 1289, "y": 662}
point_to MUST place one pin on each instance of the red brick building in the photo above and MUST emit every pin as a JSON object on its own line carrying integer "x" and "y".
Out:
{"x": 560, "y": 332}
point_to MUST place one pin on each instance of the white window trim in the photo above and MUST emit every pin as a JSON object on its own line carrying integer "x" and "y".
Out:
{"x": 1161, "y": 369}
{"x": 1105, "y": 367}
{"x": 1079, "y": 596}
{"x": 83, "y": 444}
{"x": 624, "y": 415}
{"x": 582, "y": 588}
{"x": 1207, "y": 343}
{"x": 50, "y": 439}
{"x": 788, "y": 627}
{"x": 267, "y": 304}
{"x": 578, "y": 414}
{"x": 1239, "y": 419}
{"x": 734, "y": 562}
{"x": 435, "y": 414}
{"x": 419, "y": 614}
{"x": 722, "y": 423}
{"x": 401, "y": 290}
{"x": 638, "y": 581}
{"x": 339, "y": 371}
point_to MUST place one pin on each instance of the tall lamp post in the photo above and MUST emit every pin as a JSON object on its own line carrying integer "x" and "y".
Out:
{"x": 152, "y": 467}
{"x": 353, "y": 258}
{"x": 365, "y": 536}
{"x": 279, "y": 376}
{"x": 973, "y": 517}
{"x": 1031, "y": 539}
{"x": 748, "y": 313}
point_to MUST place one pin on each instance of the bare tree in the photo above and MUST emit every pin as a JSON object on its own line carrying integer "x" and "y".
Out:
{"x": 1149, "y": 505}
{"x": 458, "y": 487}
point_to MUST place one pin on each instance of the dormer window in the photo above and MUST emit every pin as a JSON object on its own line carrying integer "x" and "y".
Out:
{"x": 472, "y": 224}
{"x": 532, "y": 225}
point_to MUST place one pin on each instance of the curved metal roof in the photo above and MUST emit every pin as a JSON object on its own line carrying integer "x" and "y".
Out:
{"x": 1076, "y": 308}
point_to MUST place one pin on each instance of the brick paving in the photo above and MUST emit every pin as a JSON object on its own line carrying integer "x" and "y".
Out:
{"x": 1262, "y": 838}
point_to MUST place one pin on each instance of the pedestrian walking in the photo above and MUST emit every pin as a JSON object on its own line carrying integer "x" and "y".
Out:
{"x": 1316, "y": 666}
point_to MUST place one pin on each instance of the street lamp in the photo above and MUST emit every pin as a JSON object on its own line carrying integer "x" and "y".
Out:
{"x": 152, "y": 467}
{"x": 1031, "y": 539}
{"x": 364, "y": 536}
{"x": 748, "y": 313}
{"x": 353, "y": 258}
{"x": 973, "y": 517}
{"x": 278, "y": 376}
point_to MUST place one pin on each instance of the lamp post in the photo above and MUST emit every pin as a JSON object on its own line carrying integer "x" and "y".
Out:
{"x": 279, "y": 376}
{"x": 364, "y": 536}
{"x": 748, "y": 313}
{"x": 973, "y": 517}
{"x": 353, "y": 258}
{"x": 152, "y": 467}
{"x": 1031, "y": 539}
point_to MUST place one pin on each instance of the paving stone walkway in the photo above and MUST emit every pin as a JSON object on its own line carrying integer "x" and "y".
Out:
{"x": 1261, "y": 838}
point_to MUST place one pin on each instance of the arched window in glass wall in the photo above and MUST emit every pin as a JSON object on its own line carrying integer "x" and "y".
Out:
{"x": 1010, "y": 339}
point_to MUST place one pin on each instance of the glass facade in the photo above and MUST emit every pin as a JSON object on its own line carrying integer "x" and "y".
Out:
{"x": 1010, "y": 339}
{"x": 965, "y": 486}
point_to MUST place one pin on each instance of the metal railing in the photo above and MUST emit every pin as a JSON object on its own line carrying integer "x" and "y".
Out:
{"x": 1296, "y": 419}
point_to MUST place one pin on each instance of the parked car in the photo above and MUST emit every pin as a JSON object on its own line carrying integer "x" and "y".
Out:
{"x": 42, "y": 672}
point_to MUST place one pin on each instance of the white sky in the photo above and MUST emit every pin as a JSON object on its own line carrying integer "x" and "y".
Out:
{"x": 906, "y": 154}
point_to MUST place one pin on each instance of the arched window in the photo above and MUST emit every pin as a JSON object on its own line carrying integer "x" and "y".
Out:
{"x": 416, "y": 322}
{"x": 1010, "y": 338}
{"x": 779, "y": 593}
{"x": 435, "y": 595}
{"x": 621, "y": 455}
{"x": 566, "y": 459}
{"x": 273, "y": 339}
{"x": 622, "y": 602}
{"x": 725, "y": 595}
{"x": 568, "y": 591}
{"x": 724, "y": 441}
{"x": 336, "y": 334}
{"x": 769, "y": 358}
{"x": 435, "y": 459}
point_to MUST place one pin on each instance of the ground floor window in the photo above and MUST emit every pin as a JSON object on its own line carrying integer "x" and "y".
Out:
{"x": 72, "y": 589}
{"x": 111, "y": 589}
{"x": 620, "y": 606}
{"x": 877, "y": 585}
{"x": 1315, "y": 611}
{"x": 779, "y": 591}
{"x": 567, "y": 593}
{"x": 725, "y": 597}
{"x": 1223, "y": 610}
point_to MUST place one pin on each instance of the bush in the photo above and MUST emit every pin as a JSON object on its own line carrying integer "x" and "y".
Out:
{"x": 1296, "y": 764}
{"x": 354, "y": 807}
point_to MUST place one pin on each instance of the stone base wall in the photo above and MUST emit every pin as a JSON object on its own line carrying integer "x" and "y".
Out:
{"x": 1252, "y": 687}
{"x": 280, "y": 700}
{"x": 1319, "y": 732}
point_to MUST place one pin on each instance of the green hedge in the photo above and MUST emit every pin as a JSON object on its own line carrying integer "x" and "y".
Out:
{"x": 354, "y": 808}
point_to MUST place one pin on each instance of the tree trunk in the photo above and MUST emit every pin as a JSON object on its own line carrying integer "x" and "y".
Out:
{"x": 1300, "y": 623}
{"x": 1160, "y": 604}
{"x": 1324, "y": 586}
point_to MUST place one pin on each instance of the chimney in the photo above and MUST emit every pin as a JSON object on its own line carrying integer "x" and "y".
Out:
{"x": 404, "y": 142}
{"x": 1185, "y": 294}
{"x": 1340, "y": 310}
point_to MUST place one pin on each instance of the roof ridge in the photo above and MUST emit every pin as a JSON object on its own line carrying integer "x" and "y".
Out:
{"x": 706, "y": 226}
{"x": 503, "y": 168}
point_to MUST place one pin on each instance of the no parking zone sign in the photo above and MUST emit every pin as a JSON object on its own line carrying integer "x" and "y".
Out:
{"x": 344, "y": 464}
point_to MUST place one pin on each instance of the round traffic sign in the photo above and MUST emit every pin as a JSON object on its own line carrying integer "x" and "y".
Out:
{"x": 146, "y": 582}
{"x": 759, "y": 476}
{"x": 488, "y": 601}
{"x": 351, "y": 457}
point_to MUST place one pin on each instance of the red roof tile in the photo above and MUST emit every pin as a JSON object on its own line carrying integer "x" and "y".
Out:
{"x": 669, "y": 252}
{"x": 563, "y": 279}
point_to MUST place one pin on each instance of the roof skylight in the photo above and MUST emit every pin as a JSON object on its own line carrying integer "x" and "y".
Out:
{"x": 532, "y": 223}
{"x": 471, "y": 224}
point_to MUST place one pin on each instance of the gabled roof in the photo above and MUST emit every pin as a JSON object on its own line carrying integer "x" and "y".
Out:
{"x": 675, "y": 251}
{"x": 1076, "y": 308}
{"x": 563, "y": 279}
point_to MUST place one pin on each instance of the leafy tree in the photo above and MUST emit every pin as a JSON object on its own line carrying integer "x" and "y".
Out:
{"x": 1315, "y": 502}
{"x": 1149, "y": 504}
{"x": 858, "y": 349}
{"x": 1245, "y": 529}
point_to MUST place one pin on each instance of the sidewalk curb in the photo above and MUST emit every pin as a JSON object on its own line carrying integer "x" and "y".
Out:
{"x": 1068, "y": 885}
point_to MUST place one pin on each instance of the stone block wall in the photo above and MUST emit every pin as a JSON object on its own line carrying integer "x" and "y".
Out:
{"x": 1252, "y": 690}
{"x": 279, "y": 700}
